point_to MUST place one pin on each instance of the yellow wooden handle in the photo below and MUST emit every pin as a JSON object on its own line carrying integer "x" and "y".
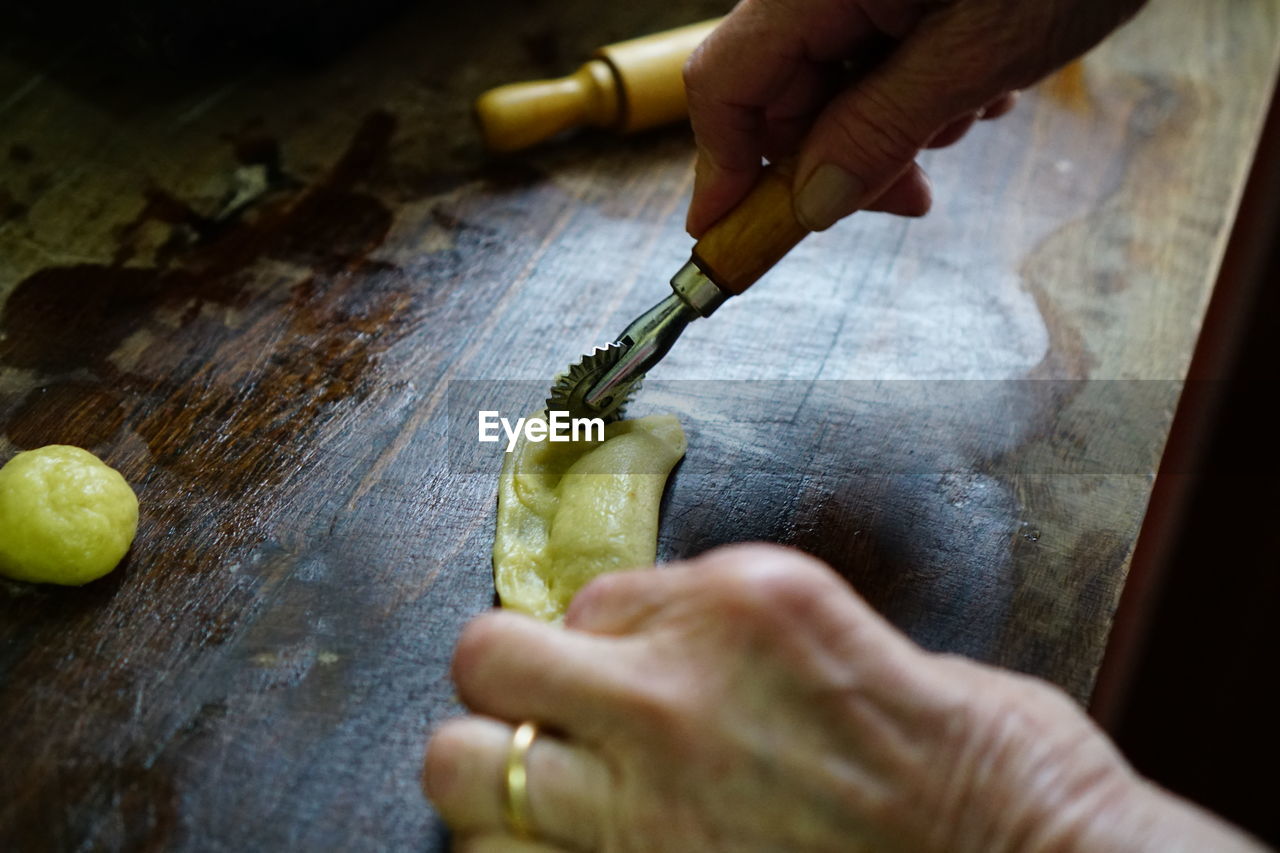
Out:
{"x": 522, "y": 114}
{"x": 754, "y": 236}
{"x": 651, "y": 70}
{"x": 629, "y": 86}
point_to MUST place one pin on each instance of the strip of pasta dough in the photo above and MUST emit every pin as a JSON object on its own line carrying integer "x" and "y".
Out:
{"x": 568, "y": 511}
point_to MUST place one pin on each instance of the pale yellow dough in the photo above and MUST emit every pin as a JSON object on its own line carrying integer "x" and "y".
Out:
{"x": 568, "y": 511}
{"x": 65, "y": 516}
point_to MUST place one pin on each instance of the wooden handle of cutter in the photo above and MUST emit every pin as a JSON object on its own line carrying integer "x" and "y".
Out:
{"x": 751, "y": 238}
{"x": 629, "y": 86}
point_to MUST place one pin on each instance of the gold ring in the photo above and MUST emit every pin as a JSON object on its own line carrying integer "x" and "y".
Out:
{"x": 518, "y": 780}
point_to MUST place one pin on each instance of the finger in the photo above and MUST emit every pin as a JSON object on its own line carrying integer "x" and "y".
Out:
{"x": 999, "y": 106}
{"x": 465, "y": 776}
{"x": 953, "y": 133}
{"x": 910, "y": 195}
{"x": 501, "y": 844}
{"x": 622, "y": 602}
{"x": 747, "y": 63}
{"x": 718, "y": 186}
{"x": 955, "y": 61}
{"x": 513, "y": 667}
{"x": 867, "y": 137}
{"x": 789, "y": 116}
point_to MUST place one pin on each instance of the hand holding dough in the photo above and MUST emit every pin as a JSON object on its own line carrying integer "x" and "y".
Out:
{"x": 568, "y": 511}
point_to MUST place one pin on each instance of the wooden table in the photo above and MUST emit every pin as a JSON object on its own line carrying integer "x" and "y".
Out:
{"x": 259, "y": 296}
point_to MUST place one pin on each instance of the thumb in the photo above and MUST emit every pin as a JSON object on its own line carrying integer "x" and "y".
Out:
{"x": 869, "y": 135}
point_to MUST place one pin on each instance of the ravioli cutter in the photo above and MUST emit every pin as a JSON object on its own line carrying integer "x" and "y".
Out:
{"x": 730, "y": 257}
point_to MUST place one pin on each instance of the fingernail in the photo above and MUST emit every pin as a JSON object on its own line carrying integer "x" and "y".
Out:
{"x": 829, "y": 194}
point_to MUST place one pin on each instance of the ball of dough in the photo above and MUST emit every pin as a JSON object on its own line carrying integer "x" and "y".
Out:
{"x": 65, "y": 516}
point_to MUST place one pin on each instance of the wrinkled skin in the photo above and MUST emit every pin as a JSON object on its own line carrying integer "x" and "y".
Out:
{"x": 770, "y": 81}
{"x": 749, "y": 700}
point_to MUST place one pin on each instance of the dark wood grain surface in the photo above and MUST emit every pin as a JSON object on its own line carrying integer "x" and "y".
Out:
{"x": 270, "y": 296}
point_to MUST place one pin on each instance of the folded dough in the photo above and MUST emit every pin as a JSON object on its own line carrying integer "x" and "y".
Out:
{"x": 568, "y": 511}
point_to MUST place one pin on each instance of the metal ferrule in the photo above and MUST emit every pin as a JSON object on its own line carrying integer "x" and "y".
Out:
{"x": 700, "y": 292}
{"x": 653, "y": 333}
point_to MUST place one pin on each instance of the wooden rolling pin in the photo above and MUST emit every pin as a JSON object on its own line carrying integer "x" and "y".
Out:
{"x": 628, "y": 86}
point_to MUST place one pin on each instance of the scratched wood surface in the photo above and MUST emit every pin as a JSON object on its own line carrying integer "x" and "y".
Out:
{"x": 272, "y": 297}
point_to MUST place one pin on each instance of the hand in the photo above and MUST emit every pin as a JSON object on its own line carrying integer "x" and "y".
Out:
{"x": 748, "y": 700}
{"x": 771, "y": 80}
